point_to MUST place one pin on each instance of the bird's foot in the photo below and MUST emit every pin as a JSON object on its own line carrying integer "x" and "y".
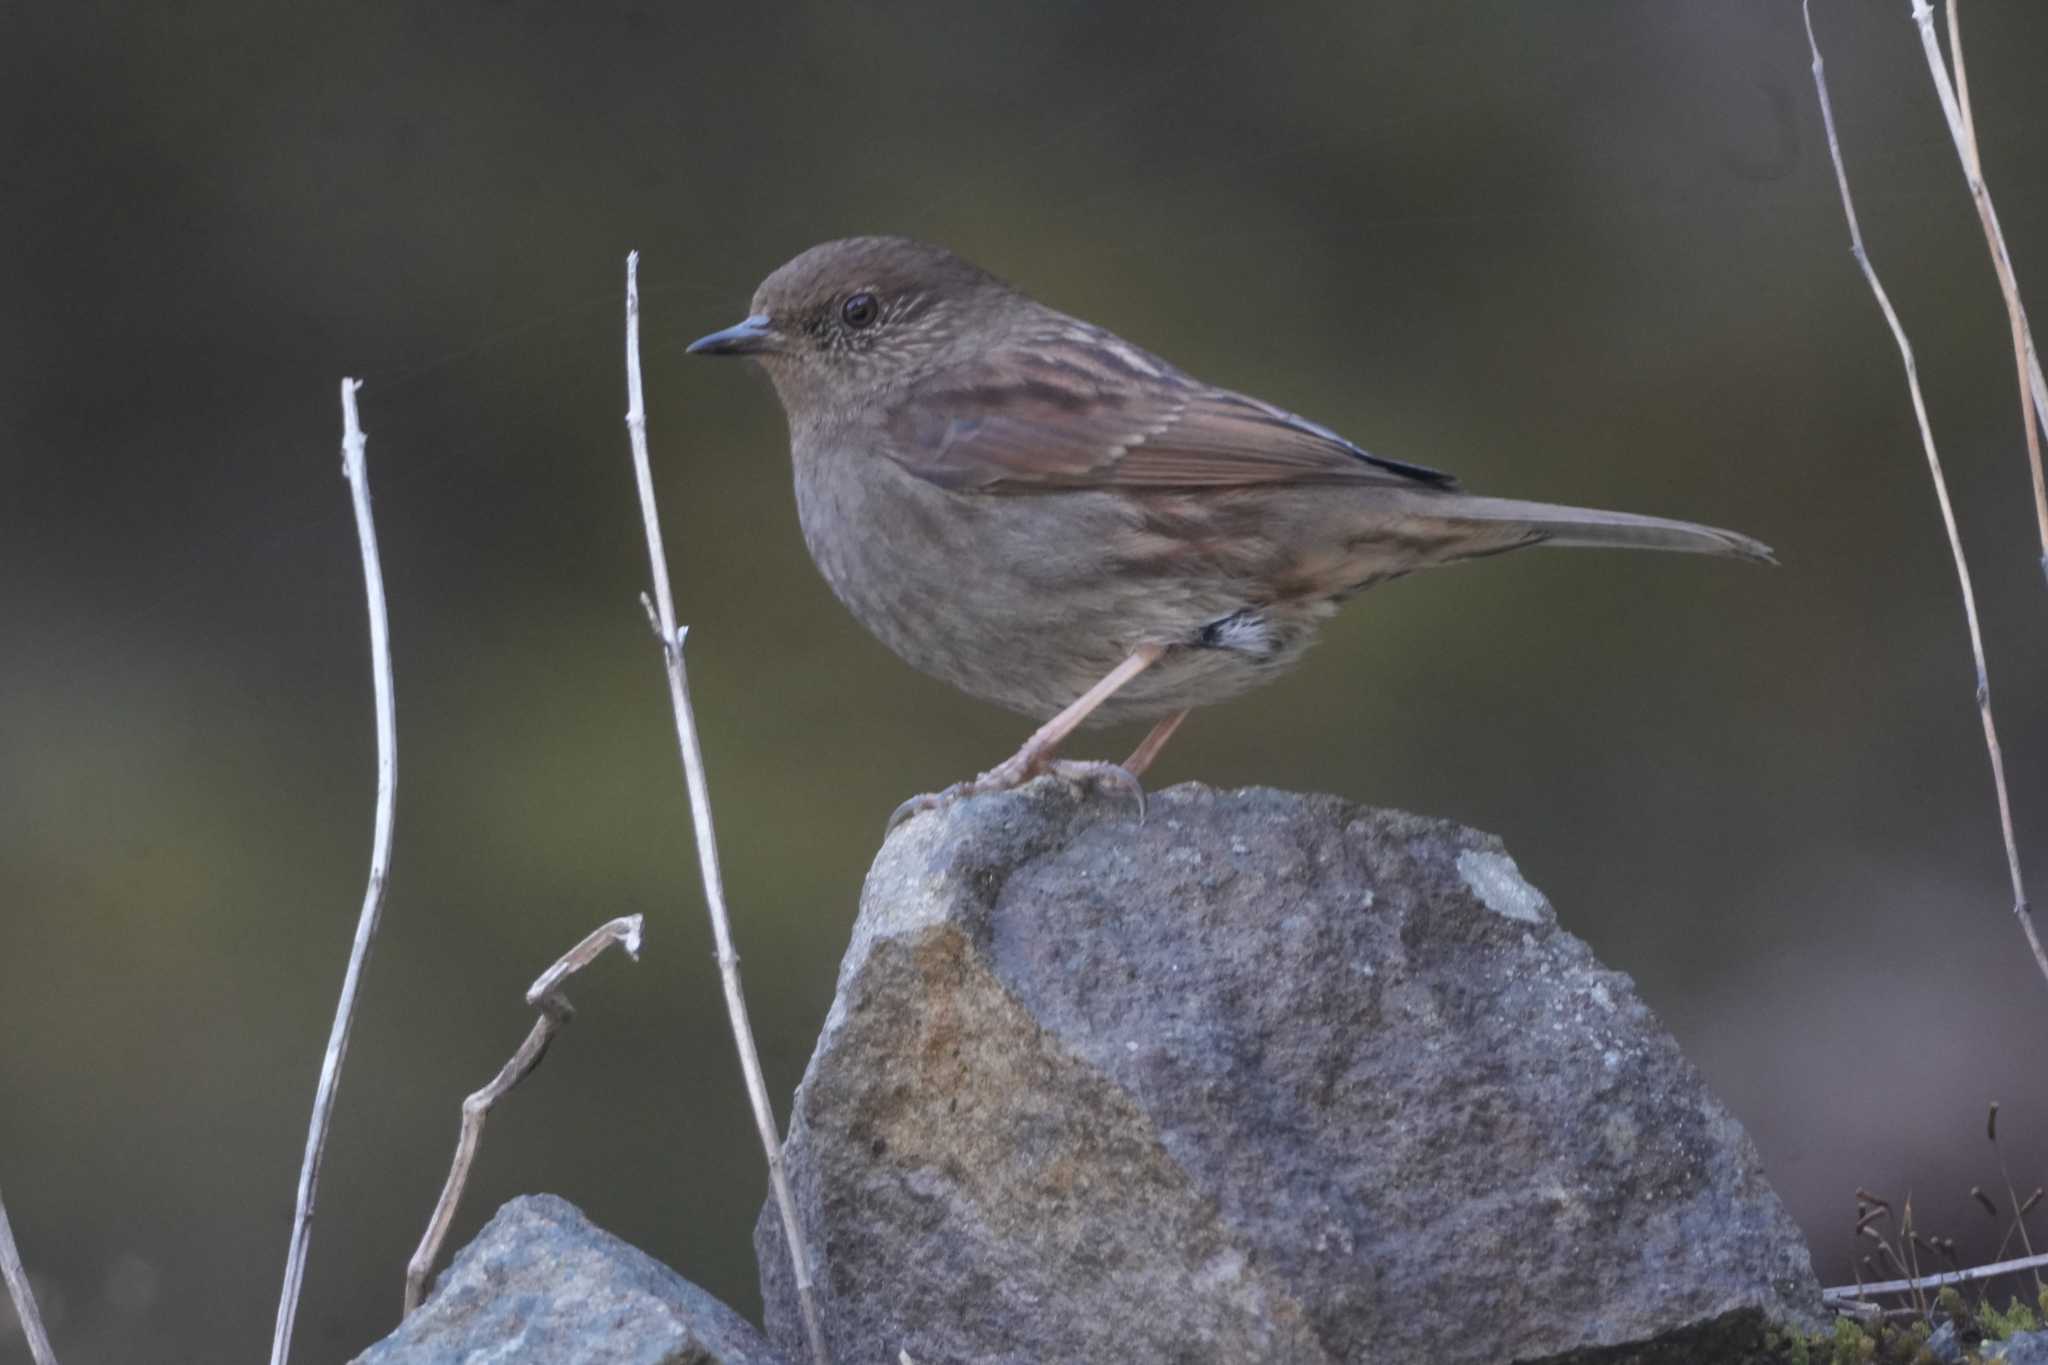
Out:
{"x": 1014, "y": 772}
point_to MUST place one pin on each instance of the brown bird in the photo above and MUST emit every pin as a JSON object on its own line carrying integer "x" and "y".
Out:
{"x": 1051, "y": 519}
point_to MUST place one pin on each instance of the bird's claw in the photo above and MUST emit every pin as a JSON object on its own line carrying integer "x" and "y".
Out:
{"x": 1084, "y": 771}
{"x": 918, "y": 805}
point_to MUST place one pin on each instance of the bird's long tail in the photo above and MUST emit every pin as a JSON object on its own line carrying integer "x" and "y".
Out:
{"x": 1551, "y": 524}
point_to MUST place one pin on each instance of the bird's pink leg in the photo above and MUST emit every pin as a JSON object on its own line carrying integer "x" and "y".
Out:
{"x": 1036, "y": 756}
{"x": 1046, "y": 740}
{"x": 1148, "y": 748}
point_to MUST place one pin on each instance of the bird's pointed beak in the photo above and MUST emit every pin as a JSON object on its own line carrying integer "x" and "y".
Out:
{"x": 751, "y": 337}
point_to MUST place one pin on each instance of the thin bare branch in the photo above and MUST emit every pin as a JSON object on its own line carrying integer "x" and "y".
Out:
{"x": 555, "y": 1010}
{"x": 671, "y": 639}
{"x": 1948, "y": 517}
{"x": 1955, "y": 107}
{"x": 1850, "y": 1293}
{"x": 1955, "y": 46}
{"x": 23, "y": 1294}
{"x": 353, "y": 468}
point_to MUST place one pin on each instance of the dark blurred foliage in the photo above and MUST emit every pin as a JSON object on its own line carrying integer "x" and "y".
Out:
{"x": 1587, "y": 252}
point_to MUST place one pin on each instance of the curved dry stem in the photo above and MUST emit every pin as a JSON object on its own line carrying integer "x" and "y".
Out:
{"x": 671, "y": 638}
{"x": 353, "y": 468}
{"x": 23, "y": 1294}
{"x": 1948, "y": 516}
{"x": 1954, "y": 94}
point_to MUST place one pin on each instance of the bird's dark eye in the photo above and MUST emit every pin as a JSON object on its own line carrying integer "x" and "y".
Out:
{"x": 860, "y": 311}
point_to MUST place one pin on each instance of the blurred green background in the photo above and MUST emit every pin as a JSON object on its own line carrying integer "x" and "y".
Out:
{"x": 1588, "y": 253}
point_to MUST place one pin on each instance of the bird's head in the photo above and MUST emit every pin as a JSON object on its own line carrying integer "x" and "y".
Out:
{"x": 852, "y": 318}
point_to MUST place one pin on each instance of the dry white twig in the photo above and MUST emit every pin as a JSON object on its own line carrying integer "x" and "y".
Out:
{"x": 1948, "y": 516}
{"x": 1955, "y": 107}
{"x": 23, "y": 1294}
{"x": 1851, "y": 1293}
{"x": 671, "y": 639}
{"x": 555, "y": 1010}
{"x": 353, "y": 469}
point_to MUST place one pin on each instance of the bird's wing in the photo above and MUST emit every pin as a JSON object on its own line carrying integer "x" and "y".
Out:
{"x": 1083, "y": 409}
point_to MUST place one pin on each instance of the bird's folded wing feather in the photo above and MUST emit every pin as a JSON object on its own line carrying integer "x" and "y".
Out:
{"x": 1086, "y": 410}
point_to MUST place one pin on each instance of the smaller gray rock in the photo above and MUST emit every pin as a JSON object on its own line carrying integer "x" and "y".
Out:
{"x": 2021, "y": 1348}
{"x": 1943, "y": 1345}
{"x": 542, "y": 1283}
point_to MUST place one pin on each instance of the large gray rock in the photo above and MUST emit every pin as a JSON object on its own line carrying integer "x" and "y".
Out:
{"x": 1266, "y": 1078}
{"x": 541, "y": 1285}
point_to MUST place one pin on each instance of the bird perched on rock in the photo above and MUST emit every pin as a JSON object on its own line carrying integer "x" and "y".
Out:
{"x": 1031, "y": 508}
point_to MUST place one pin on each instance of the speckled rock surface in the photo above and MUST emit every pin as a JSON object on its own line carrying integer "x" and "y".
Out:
{"x": 1268, "y": 1077}
{"x": 541, "y": 1285}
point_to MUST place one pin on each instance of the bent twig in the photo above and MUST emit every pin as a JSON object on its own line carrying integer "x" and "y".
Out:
{"x": 555, "y": 1010}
